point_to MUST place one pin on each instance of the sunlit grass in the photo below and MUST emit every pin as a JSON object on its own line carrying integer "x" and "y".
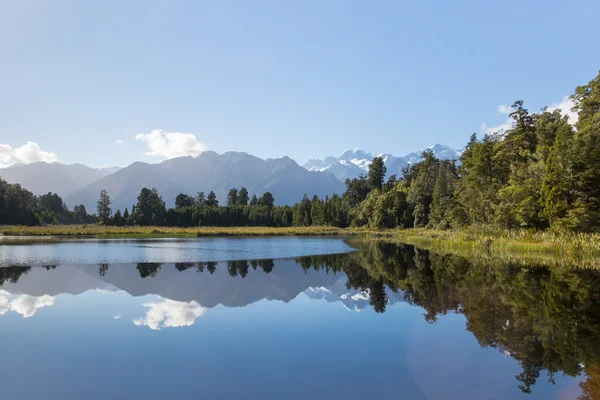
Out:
{"x": 150, "y": 231}
{"x": 520, "y": 245}
{"x": 481, "y": 242}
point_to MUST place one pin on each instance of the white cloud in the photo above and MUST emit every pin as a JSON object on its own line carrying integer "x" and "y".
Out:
{"x": 118, "y": 316}
{"x": 504, "y": 109}
{"x": 4, "y": 302}
{"x": 171, "y": 144}
{"x": 119, "y": 141}
{"x": 565, "y": 109}
{"x": 25, "y": 154}
{"x": 24, "y": 304}
{"x": 488, "y": 130}
{"x": 170, "y": 313}
{"x": 104, "y": 291}
{"x": 564, "y": 106}
{"x": 27, "y": 305}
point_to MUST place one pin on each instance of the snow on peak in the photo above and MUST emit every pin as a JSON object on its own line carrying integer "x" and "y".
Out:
{"x": 356, "y": 161}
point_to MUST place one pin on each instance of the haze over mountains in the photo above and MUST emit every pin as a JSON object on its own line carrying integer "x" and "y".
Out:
{"x": 283, "y": 177}
{"x": 41, "y": 177}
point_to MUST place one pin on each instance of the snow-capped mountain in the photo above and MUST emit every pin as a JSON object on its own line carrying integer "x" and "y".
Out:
{"x": 351, "y": 299}
{"x": 354, "y": 162}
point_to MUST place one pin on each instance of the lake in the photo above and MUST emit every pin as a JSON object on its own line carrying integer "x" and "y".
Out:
{"x": 274, "y": 318}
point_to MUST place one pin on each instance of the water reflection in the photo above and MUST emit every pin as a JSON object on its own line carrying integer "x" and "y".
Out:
{"x": 23, "y": 304}
{"x": 546, "y": 319}
{"x": 169, "y": 313}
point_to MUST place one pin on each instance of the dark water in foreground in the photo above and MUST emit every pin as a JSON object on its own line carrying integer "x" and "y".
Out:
{"x": 235, "y": 318}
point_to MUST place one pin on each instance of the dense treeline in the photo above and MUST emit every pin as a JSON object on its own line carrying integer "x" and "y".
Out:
{"x": 19, "y": 206}
{"x": 542, "y": 173}
{"x": 240, "y": 210}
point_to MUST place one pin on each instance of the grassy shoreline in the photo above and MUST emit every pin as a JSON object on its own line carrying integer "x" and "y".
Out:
{"x": 547, "y": 248}
{"x": 161, "y": 231}
{"x": 520, "y": 246}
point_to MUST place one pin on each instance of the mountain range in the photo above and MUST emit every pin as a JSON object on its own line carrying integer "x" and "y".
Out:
{"x": 41, "y": 177}
{"x": 283, "y": 177}
{"x": 354, "y": 162}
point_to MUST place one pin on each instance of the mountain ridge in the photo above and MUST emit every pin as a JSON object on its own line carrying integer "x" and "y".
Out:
{"x": 210, "y": 171}
{"x": 283, "y": 177}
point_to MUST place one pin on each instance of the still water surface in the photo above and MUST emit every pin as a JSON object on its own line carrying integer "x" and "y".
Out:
{"x": 273, "y": 318}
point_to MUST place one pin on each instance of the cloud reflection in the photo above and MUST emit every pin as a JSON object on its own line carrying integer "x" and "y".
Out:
{"x": 170, "y": 314}
{"x": 24, "y": 304}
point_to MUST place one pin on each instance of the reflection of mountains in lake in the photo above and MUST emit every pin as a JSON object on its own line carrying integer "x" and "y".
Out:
{"x": 232, "y": 284}
{"x": 547, "y": 319}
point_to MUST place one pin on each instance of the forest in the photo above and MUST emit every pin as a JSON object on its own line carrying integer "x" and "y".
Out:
{"x": 542, "y": 174}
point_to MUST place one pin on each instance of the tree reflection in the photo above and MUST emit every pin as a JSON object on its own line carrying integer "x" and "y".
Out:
{"x": 12, "y": 274}
{"x": 211, "y": 267}
{"x": 102, "y": 269}
{"x": 183, "y": 266}
{"x": 547, "y": 319}
{"x": 148, "y": 269}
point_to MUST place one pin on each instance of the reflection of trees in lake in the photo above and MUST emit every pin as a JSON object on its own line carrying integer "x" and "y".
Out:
{"x": 102, "y": 269}
{"x": 591, "y": 387}
{"x": 12, "y": 274}
{"x": 546, "y": 319}
{"x": 148, "y": 269}
{"x": 238, "y": 267}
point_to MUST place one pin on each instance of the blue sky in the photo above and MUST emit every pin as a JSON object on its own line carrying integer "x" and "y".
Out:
{"x": 300, "y": 78}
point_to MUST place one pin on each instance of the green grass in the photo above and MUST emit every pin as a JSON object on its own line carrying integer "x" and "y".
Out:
{"x": 520, "y": 245}
{"x": 156, "y": 231}
{"x": 480, "y": 242}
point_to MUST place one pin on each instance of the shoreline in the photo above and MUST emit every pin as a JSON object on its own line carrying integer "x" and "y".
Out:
{"x": 482, "y": 242}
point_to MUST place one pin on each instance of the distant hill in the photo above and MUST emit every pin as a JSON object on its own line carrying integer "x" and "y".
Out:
{"x": 64, "y": 179}
{"x": 283, "y": 177}
{"x": 352, "y": 163}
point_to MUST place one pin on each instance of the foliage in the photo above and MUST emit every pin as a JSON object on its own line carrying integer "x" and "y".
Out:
{"x": 104, "y": 210}
{"x": 540, "y": 174}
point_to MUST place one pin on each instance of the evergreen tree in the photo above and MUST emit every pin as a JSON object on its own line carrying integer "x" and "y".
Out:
{"x": 482, "y": 177}
{"x": 443, "y": 195}
{"x": 302, "y": 212}
{"x": 316, "y": 211}
{"x": 376, "y": 174}
{"x": 557, "y": 192}
{"x": 211, "y": 200}
{"x": 242, "y": 198}
{"x": 150, "y": 208}
{"x": 267, "y": 199}
{"x": 183, "y": 200}
{"x": 584, "y": 214}
{"x": 420, "y": 194}
{"x": 80, "y": 214}
{"x": 254, "y": 200}
{"x": 356, "y": 191}
{"x": 232, "y": 197}
{"x": 117, "y": 219}
{"x": 103, "y": 207}
{"x": 200, "y": 199}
